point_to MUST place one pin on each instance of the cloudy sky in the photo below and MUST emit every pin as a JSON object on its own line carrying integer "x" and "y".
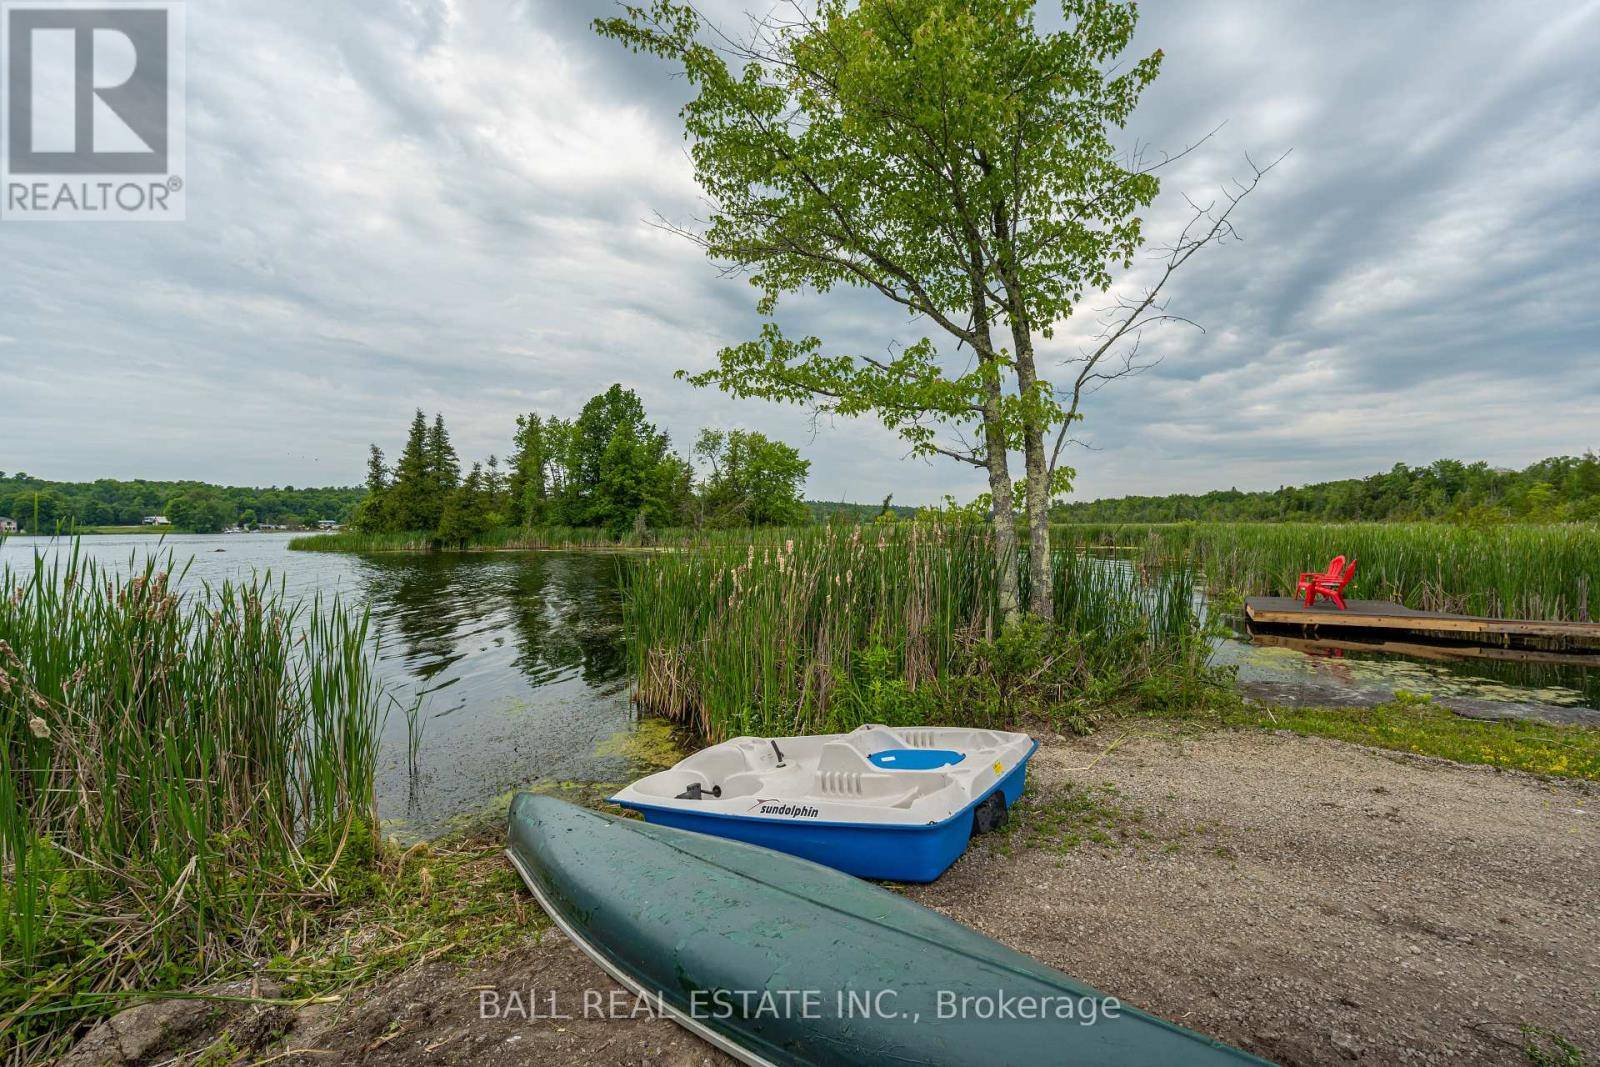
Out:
{"x": 444, "y": 203}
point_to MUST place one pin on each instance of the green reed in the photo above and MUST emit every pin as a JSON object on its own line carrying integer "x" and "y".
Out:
{"x": 768, "y": 636}
{"x": 1513, "y": 570}
{"x": 182, "y": 772}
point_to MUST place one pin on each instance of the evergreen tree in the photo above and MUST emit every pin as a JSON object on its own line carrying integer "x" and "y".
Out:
{"x": 494, "y": 486}
{"x": 444, "y": 468}
{"x": 412, "y": 493}
{"x": 377, "y": 472}
{"x": 372, "y": 513}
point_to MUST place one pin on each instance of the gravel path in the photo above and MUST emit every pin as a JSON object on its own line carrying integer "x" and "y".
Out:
{"x": 1314, "y": 901}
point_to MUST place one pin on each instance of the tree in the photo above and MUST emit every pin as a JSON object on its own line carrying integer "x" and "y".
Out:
{"x": 411, "y": 497}
{"x": 611, "y": 454}
{"x": 444, "y": 467}
{"x": 40, "y": 510}
{"x": 527, "y": 484}
{"x": 640, "y": 483}
{"x": 466, "y": 514}
{"x": 200, "y": 511}
{"x": 372, "y": 515}
{"x": 754, "y": 481}
{"x": 494, "y": 486}
{"x": 948, "y": 156}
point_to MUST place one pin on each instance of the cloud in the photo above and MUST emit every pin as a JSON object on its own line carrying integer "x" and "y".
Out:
{"x": 445, "y": 203}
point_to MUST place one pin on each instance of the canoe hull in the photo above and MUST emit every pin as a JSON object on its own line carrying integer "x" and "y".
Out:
{"x": 892, "y": 853}
{"x": 852, "y": 973}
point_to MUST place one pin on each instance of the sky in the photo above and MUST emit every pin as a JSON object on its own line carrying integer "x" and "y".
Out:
{"x": 447, "y": 204}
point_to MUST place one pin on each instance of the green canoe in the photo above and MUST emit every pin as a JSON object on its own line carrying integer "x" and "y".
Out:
{"x": 778, "y": 960}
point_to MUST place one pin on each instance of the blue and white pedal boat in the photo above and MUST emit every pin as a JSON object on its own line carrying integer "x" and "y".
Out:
{"x": 898, "y": 804}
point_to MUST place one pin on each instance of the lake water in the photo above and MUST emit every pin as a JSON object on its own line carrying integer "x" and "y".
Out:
{"x": 518, "y": 661}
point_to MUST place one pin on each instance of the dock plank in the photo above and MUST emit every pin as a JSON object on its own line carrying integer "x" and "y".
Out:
{"x": 1384, "y": 615}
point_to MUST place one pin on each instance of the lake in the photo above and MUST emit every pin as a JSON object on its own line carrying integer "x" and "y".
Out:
{"x": 519, "y": 663}
{"x": 518, "y": 660}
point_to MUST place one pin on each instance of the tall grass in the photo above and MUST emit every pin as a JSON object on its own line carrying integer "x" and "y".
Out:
{"x": 828, "y": 627}
{"x": 182, "y": 775}
{"x": 1517, "y": 571}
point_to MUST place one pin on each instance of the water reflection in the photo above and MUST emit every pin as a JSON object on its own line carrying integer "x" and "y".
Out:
{"x": 553, "y": 615}
{"x": 514, "y": 662}
{"x": 519, "y": 662}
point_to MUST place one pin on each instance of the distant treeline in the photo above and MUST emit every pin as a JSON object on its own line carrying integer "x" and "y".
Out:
{"x": 1559, "y": 489}
{"x": 609, "y": 468}
{"x": 36, "y": 504}
{"x": 839, "y": 511}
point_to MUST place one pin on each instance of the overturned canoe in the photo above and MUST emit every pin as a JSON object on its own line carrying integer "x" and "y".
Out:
{"x": 778, "y": 960}
{"x": 879, "y": 802}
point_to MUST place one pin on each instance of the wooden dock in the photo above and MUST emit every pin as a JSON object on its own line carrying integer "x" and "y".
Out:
{"x": 1418, "y": 648}
{"x": 1382, "y": 615}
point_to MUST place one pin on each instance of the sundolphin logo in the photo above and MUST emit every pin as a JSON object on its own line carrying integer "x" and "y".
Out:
{"x": 793, "y": 811}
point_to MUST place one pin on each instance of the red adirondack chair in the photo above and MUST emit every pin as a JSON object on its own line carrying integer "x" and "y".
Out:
{"x": 1329, "y": 583}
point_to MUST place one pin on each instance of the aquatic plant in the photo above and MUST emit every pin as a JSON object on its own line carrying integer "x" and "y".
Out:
{"x": 1512, "y": 570}
{"x": 828, "y": 628}
{"x": 1413, "y": 723}
{"x": 184, "y": 775}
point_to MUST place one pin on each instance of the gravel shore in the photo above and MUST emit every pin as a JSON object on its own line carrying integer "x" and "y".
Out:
{"x": 1311, "y": 901}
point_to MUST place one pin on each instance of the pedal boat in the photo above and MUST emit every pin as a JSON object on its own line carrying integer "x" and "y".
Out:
{"x": 896, "y": 804}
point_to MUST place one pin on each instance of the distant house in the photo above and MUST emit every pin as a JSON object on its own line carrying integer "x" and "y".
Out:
{"x": 155, "y": 520}
{"x": 327, "y": 524}
{"x": 7, "y": 525}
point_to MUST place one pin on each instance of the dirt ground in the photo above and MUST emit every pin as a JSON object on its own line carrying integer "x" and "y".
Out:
{"x": 1314, "y": 901}
{"x": 1311, "y": 901}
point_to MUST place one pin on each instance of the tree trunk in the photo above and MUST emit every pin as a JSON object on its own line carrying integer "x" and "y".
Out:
{"x": 1005, "y": 530}
{"x": 1036, "y": 495}
{"x": 1041, "y": 594}
{"x": 996, "y": 455}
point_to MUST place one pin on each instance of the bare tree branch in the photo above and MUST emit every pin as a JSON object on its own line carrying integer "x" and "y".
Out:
{"x": 1206, "y": 226}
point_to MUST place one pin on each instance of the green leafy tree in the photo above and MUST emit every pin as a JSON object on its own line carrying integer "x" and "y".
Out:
{"x": 527, "y": 483}
{"x": 200, "y": 511}
{"x": 466, "y": 515}
{"x": 754, "y": 481}
{"x": 41, "y": 510}
{"x": 953, "y": 158}
{"x": 640, "y": 485}
{"x": 609, "y": 435}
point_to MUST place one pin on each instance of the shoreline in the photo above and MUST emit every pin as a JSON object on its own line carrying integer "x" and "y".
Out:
{"x": 1309, "y": 900}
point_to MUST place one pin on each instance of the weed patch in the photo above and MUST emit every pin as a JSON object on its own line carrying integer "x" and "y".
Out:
{"x": 1066, "y": 817}
{"x": 1414, "y": 724}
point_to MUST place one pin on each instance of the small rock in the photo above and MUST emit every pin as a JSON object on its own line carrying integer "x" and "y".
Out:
{"x": 1347, "y": 1044}
{"x": 131, "y": 1036}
